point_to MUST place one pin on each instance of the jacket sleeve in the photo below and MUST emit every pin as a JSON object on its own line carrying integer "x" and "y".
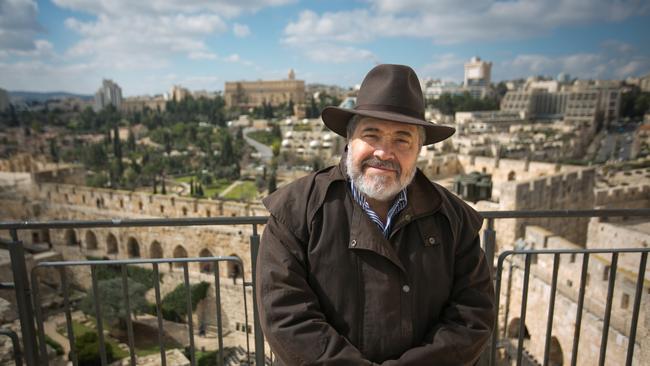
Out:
{"x": 290, "y": 314}
{"x": 466, "y": 324}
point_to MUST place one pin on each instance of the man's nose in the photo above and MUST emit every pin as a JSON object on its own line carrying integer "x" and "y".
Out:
{"x": 384, "y": 151}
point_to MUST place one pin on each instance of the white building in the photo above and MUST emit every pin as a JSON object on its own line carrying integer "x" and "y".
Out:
{"x": 478, "y": 76}
{"x": 108, "y": 93}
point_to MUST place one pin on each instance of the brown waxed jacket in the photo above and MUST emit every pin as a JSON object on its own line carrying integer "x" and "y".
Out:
{"x": 333, "y": 291}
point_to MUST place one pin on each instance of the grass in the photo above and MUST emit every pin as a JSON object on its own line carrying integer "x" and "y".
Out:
{"x": 246, "y": 190}
{"x": 213, "y": 189}
{"x": 264, "y": 137}
{"x": 79, "y": 329}
{"x": 185, "y": 179}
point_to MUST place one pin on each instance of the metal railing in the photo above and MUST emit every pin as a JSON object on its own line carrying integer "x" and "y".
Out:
{"x": 28, "y": 299}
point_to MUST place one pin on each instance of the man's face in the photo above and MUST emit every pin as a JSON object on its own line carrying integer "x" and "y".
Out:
{"x": 381, "y": 157}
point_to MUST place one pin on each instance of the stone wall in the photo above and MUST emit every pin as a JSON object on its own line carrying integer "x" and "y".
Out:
{"x": 564, "y": 191}
{"x": 566, "y": 303}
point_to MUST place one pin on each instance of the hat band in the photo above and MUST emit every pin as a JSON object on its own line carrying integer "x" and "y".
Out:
{"x": 390, "y": 108}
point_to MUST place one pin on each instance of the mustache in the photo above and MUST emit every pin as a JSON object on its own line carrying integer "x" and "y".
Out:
{"x": 384, "y": 164}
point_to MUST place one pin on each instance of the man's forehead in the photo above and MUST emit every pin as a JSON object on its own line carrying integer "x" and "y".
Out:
{"x": 386, "y": 126}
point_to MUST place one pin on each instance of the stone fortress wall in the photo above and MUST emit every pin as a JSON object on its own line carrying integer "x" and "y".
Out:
{"x": 51, "y": 201}
{"x": 568, "y": 286}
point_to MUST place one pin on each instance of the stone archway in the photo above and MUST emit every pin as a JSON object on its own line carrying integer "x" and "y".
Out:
{"x": 513, "y": 329}
{"x": 155, "y": 250}
{"x": 133, "y": 248}
{"x": 556, "y": 357}
{"x": 111, "y": 244}
{"x": 235, "y": 270}
{"x": 91, "y": 240}
{"x": 71, "y": 238}
{"x": 206, "y": 267}
{"x": 179, "y": 252}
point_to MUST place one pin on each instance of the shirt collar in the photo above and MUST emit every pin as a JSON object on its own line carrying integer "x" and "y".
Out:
{"x": 398, "y": 205}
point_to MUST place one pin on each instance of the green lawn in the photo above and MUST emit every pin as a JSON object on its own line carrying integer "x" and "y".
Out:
{"x": 215, "y": 188}
{"x": 184, "y": 179}
{"x": 264, "y": 137}
{"x": 79, "y": 329}
{"x": 244, "y": 191}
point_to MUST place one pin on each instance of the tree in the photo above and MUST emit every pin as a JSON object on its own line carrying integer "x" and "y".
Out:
{"x": 111, "y": 295}
{"x": 130, "y": 141}
{"x": 272, "y": 182}
{"x": 54, "y": 150}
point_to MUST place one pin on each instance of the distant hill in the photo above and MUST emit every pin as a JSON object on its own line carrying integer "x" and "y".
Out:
{"x": 27, "y": 96}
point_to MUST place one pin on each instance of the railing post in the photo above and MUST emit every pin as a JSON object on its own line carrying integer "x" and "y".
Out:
{"x": 489, "y": 245}
{"x": 259, "y": 337}
{"x": 18, "y": 357}
{"x": 23, "y": 299}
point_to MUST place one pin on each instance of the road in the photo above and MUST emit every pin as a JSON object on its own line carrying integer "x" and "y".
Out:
{"x": 265, "y": 151}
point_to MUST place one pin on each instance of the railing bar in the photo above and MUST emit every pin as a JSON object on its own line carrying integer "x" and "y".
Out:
{"x": 40, "y": 325}
{"x": 137, "y": 261}
{"x": 190, "y": 321}
{"x": 217, "y": 296}
{"x": 99, "y": 324}
{"x": 15, "y": 342}
{"x": 522, "y": 317}
{"x": 635, "y": 312}
{"x": 68, "y": 316}
{"x": 127, "y": 305}
{"x": 259, "y": 336}
{"x": 161, "y": 343}
{"x": 243, "y": 285}
{"x": 23, "y": 297}
{"x": 551, "y": 308}
{"x": 608, "y": 309}
{"x": 581, "y": 301}
{"x": 260, "y": 220}
{"x": 508, "y": 292}
{"x": 497, "y": 297}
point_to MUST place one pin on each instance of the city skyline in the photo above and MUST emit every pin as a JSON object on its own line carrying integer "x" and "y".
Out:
{"x": 71, "y": 45}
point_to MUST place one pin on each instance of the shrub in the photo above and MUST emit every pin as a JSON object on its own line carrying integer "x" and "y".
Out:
{"x": 174, "y": 304}
{"x": 87, "y": 349}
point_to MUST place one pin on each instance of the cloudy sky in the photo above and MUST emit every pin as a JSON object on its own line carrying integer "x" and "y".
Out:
{"x": 148, "y": 46}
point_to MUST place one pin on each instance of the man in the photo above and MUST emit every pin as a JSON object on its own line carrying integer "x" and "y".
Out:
{"x": 369, "y": 262}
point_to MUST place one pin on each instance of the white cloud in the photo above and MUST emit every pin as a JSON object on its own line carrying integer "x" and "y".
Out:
{"x": 241, "y": 30}
{"x": 582, "y": 65}
{"x": 202, "y": 55}
{"x": 445, "y": 21}
{"x": 18, "y": 25}
{"x": 329, "y": 53}
{"x": 447, "y": 67}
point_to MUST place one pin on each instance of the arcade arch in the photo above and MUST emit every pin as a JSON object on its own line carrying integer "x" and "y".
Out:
{"x": 111, "y": 244}
{"x": 206, "y": 267}
{"x": 179, "y": 252}
{"x": 235, "y": 270}
{"x": 71, "y": 238}
{"x": 133, "y": 248}
{"x": 155, "y": 250}
{"x": 91, "y": 240}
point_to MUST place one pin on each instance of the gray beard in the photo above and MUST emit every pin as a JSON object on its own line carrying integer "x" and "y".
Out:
{"x": 377, "y": 187}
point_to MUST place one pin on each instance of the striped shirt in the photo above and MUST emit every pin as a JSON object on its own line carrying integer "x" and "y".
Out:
{"x": 398, "y": 205}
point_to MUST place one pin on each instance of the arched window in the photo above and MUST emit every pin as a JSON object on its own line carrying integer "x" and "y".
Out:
{"x": 111, "y": 244}
{"x": 206, "y": 267}
{"x": 513, "y": 329}
{"x": 179, "y": 252}
{"x": 235, "y": 270}
{"x": 155, "y": 250}
{"x": 91, "y": 240}
{"x": 512, "y": 176}
{"x": 133, "y": 248}
{"x": 71, "y": 238}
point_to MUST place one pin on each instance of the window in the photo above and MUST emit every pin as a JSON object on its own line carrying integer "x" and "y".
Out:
{"x": 606, "y": 273}
{"x": 625, "y": 301}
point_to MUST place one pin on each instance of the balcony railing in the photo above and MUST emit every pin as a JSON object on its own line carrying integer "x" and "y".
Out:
{"x": 32, "y": 315}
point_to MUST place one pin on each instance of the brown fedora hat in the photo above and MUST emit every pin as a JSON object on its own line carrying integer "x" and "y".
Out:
{"x": 392, "y": 93}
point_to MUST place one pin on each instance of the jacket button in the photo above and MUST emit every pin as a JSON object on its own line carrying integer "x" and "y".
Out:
{"x": 353, "y": 243}
{"x": 407, "y": 217}
{"x": 432, "y": 240}
{"x": 406, "y": 288}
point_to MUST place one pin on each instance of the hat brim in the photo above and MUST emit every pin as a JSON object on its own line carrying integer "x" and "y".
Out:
{"x": 336, "y": 119}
